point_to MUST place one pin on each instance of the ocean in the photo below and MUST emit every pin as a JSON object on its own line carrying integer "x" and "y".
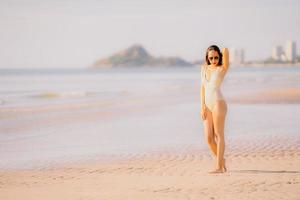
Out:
{"x": 53, "y": 116}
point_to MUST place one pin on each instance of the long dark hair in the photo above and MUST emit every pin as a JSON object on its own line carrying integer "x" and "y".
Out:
{"x": 217, "y": 49}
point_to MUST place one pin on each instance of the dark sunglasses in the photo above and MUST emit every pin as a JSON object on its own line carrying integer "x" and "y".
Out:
{"x": 215, "y": 58}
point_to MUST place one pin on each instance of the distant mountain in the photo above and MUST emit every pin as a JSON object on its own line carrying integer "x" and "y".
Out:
{"x": 137, "y": 56}
{"x": 198, "y": 62}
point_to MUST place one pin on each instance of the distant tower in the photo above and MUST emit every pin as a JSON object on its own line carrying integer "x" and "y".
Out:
{"x": 242, "y": 55}
{"x": 237, "y": 56}
{"x": 277, "y": 53}
{"x": 290, "y": 51}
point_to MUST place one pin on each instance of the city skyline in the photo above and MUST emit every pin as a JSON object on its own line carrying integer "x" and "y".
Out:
{"x": 286, "y": 53}
{"x": 75, "y": 34}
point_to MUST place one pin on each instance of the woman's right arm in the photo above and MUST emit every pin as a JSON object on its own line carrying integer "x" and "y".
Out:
{"x": 202, "y": 95}
{"x": 203, "y": 106}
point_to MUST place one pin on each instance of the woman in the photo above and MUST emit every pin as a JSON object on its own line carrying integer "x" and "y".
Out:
{"x": 213, "y": 104}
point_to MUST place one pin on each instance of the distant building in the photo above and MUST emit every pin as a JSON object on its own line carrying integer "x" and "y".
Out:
{"x": 277, "y": 53}
{"x": 237, "y": 56}
{"x": 287, "y": 54}
{"x": 290, "y": 51}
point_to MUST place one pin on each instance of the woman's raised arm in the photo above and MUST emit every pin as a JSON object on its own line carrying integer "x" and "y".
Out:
{"x": 225, "y": 58}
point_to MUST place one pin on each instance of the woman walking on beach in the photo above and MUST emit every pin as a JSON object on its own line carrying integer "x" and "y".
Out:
{"x": 213, "y": 104}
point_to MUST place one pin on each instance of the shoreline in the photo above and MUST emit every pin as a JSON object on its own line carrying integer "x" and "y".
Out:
{"x": 271, "y": 65}
{"x": 18, "y": 71}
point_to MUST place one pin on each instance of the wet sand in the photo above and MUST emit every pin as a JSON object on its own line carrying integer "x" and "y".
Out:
{"x": 274, "y": 96}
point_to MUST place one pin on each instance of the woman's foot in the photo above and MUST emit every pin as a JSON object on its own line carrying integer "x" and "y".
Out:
{"x": 220, "y": 169}
{"x": 216, "y": 171}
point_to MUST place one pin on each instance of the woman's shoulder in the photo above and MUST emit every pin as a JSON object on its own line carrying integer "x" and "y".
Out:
{"x": 221, "y": 68}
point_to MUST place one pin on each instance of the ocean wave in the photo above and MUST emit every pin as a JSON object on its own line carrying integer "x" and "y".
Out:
{"x": 55, "y": 95}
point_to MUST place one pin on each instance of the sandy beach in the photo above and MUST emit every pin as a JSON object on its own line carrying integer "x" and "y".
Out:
{"x": 275, "y": 96}
{"x": 262, "y": 174}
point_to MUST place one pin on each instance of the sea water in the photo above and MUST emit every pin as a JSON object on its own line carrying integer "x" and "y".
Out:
{"x": 149, "y": 110}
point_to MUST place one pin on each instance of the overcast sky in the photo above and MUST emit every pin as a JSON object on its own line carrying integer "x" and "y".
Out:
{"x": 75, "y": 33}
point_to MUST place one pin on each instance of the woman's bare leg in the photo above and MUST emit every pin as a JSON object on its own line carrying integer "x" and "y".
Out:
{"x": 209, "y": 132}
{"x": 219, "y": 115}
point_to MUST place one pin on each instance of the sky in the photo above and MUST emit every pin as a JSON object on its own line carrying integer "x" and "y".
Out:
{"x": 76, "y": 33}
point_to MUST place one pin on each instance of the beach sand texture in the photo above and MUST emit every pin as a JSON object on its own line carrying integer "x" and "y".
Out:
{"x": 264, "y": 174}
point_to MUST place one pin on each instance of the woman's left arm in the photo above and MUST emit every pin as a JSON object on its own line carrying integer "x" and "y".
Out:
{"x": 225, "y": 59}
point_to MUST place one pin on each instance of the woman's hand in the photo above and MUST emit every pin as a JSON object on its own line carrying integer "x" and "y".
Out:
{"x": 224, "y": 51}
{"x": 203, "y": 112}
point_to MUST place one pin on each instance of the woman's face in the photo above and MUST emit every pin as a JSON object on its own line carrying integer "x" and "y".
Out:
{"x": 213, "y": 57}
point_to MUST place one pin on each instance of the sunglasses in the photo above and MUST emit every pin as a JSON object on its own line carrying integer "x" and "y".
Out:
{"x": 215, "y": 58}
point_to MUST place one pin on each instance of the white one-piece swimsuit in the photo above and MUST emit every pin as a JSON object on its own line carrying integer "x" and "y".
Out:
{"x": 212, "y": 86}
